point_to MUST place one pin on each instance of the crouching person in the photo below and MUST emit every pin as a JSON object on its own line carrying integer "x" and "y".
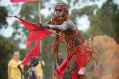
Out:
{"x": 31, "y": 73}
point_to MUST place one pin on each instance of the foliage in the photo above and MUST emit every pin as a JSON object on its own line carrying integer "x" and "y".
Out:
{"x": 48, "y": 57}
{"x": 7, "y": 47}
{"x": 105, "y": 21}
{"x": 3, "y": 15}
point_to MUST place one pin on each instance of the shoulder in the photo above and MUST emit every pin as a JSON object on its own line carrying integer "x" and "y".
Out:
{"x": 10, "y": 62}
{"x": 70, "y": 22}
{"x": 19, "y": 62}
{"x": 21, "y": 65}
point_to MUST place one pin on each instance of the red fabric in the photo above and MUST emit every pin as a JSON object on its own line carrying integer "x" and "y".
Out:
{"x": 61, "y": 68}
{"x": 29, "y": 25}
{"x": 37, "y": 35}
{"x": 36, "y": 32}
{"x": 23, "y": 1}
{"x": 33, "y": 52}
{"x": 81, "y": 60}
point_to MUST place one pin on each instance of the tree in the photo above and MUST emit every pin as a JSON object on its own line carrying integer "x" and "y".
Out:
{"x": 105, "y": 21}
{"x": 7, "y": 47}
{"x": 3, "y": 15}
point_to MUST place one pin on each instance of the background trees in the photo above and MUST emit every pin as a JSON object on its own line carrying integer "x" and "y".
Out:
{"x": 103, "y": 21}
{"x": 7, "y": 47}
{"x": 3, "y": 15}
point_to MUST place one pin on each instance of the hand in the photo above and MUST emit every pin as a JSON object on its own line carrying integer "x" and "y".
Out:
{"x": 40, "y": 25}
{"x": 43, "y": 25}
{"x": 19, "y": 67}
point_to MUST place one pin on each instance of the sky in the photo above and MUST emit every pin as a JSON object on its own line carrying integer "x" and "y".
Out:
{"x": 83, "y": 22}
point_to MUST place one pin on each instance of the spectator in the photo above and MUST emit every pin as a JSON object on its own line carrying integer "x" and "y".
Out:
{"x": 13, "y": 71}
{"x": 34, "y": 69}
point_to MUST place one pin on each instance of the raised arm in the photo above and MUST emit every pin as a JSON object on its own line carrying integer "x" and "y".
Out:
{"x": 63, "y": 26}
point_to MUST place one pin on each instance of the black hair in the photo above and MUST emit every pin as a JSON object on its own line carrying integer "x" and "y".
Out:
{"x": 34, "y": 61}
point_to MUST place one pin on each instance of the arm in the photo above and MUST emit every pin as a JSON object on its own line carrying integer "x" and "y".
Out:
{"x": 9, "y": 72}
{"x": 9, "y": 69}
{"x": 21, "y": 69}
{"x": 55, "y": 27}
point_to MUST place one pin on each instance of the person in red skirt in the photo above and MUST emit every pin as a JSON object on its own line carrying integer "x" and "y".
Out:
{"x": 78, "y": 51}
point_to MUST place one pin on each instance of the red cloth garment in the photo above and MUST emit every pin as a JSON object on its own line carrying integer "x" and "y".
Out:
{"x": 36, "y": 33}
{"x": 23, "y": 1}
{"x": 33, "y": 52}
{"x": 61, "y": 68}
{"x": 81, "y": 60}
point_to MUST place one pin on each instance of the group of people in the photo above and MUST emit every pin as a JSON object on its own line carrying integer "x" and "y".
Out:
{"x": 78, "y": 51}
{"x": 16, "y": 69}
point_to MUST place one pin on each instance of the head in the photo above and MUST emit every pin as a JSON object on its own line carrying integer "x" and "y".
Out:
{"x": 34, "y": 61}
{"x": 16, "y": 56}
{"x": 60, "y": 12}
